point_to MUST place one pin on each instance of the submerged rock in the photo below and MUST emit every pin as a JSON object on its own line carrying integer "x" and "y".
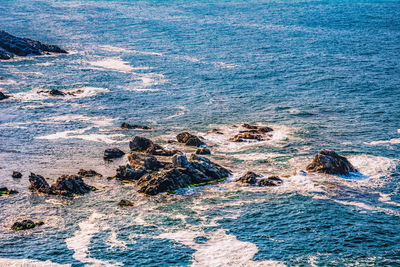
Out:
{"x": 124, "y": 202}
{"x": 126, "y": 125}
{"x": 189, "y": 139}
{"x": 203, "y": 151}
{"x": 248, "y": 178}
{"x": 6, "y": 191}
{"x": 88, "y": 173}
{"x": 113, "y": 153}
{"x": 328, "y": 161}
{"x": 25, "y": 225}
{"x": 11, "y": 45}
{"x": 66, "y": 185}
{"x": 270, "y": 181}
{"x": 16, "y": 174}
{"x": 3, "y": 96}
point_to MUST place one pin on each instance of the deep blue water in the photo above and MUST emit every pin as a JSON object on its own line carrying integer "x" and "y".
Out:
{"x": 323, "y": 74}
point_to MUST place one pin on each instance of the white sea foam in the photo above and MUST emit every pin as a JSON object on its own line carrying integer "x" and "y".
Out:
{"x": 391, "y": 141}
{"x": 124, "y": 50}
{"x": 220, "y": 249}
{"x": 29, "y": 263}
{"x": 81, "y": 240}
{"x": 114, "y": 63}
{"x": 36, "y": 95}
{"x": 182, "y": 111}
{"x": 100, "y": 121}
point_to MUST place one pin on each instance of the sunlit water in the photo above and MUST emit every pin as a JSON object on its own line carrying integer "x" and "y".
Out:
{"x": 323, "y": 75}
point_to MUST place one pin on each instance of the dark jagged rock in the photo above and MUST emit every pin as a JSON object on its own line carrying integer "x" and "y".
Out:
{"x": 182, "y": 173}
{"x": 248, "y": 178}
{"x": 127, "y": 172}
{"x": 6, "y": 191}
{"x": 246, "y": 136}
{"x": 56, "y": 92}
{"x": 328, "y": 161}
{"x": 3, "y": 96}
{"x": 124, "y": 202}
{"x": 270, "y": 181}
{"x": 16, "y": 174}
{"x": 142, "y": 161}
{"x": 11, "y": 45}
{"x": 23, "y": 225}
{"x": 88, "y": 173}
{"x": 189, "y": 139}
{"x": 126, "y": 125}
{"x": 253, "y": 132}
{"x": 158, "y": 150}
{"x": 113, "y": 153}
{"x": 39, "y": 184}
{"x": 66, "y": 185}
{"x": 203, "y": 151}
{"x": 140, "y": 144}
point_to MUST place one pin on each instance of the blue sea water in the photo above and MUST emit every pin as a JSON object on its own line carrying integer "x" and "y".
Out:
{"x": 322, "y": 74}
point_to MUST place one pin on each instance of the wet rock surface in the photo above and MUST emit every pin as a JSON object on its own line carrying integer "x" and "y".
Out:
{"x": 329, "y": 162}
{"x": 142, "y": 144}
{"x": 248, "y": 178}
{"x": 189, "y": 139}
{"x": 6, "y": 191}
{"x": 56, "y": 92}
{"x": 66, "y": 185}
{"x": 16, "y": 174}
{"x": 11, "y": 45}
{"x": 270, "y": 181}
{"x": 252, "y": 133}
{"x": 203, "y": 151}
{"x": 126, "y": 203}
{"x": 126, "y": 125}
{"x": 113, "y": 153}
{"x": 25, "y": 225}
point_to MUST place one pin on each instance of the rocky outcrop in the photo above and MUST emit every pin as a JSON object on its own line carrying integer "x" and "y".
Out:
{"x": 126, "y": 125}
{"x": 66, "y": 185}
{"x": 126, "y": 203}
{"x": 203, "y": 151}
{"x": 270, "y": 181}
{"x": 127, "y": 172}
{"x": 6, "y": 191}
{"x": 252, "y": 133}
{"x": 328, "y": 161}
{"x": 248, "y": 178}
{"x": 182, "y": 173}
{"x": 3, "y": 96}
{"x": 189, "y": 139}
{"x": 16, "y": 174}
{"x": 25, "y": 225}
{"x": 89, "y": 173}
{"x": 144, "y": 161}
{"x": 11, "y": 45}
{"x": 142, "y": 144}
{"x": 113, "y": 153}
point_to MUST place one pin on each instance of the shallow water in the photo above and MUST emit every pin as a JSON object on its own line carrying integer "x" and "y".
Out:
{"x": 321, "y": 74}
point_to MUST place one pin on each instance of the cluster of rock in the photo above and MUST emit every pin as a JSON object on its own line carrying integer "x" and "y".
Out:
{"x": 66, "y": 185}
{"x": 156, "y": 170}
{"x": 11, "y": 45}
{"x": 25, "y": 225}
{"x": 250, "y": 178}
{"x": 252, "y": 132}
{"x": 6, "y": 191}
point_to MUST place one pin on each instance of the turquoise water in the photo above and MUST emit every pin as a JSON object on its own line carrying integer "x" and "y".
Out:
{"x": 322, "y": 74}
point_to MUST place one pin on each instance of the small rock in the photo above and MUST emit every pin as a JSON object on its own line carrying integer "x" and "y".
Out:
{"x": 6, "y": 191}
{"x": 124, "y": 202}
{"x": 112, "y": 153}
{"x": 68, "y": 185}
{"x": 203, "y": 151}
{"x": 88, "y": 173}
{"x": 125, "y": 125}
{"x": 39, "y": 184}
{"x": 142, "y": 161}
{"x": 56, "y": 92}
{"x": 16, "y": 174}
{"x": 140, "y": 144}
{"x": 248, "y": 178}
{"x": 328, "y": 161}
{"x": 270, "y": 181}
{"x": 3, "y": 96}
{"x": 189, "y": 139}
{"x": 23, "y": 225}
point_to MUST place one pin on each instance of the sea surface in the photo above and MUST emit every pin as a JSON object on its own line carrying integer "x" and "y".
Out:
{"x": 322, "y": 74}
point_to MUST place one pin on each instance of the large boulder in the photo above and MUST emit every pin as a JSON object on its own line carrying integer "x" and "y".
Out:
{"x": 140, "y": 144}
{"x": 69, "y": 185}
{"x": 39, "y": 184}
{"x": 113, "y": 153}
{"x": 189, "y": 139}
{"x": 127, "y": 172}
{"x": 270, "y": 181}
{"x": 248, "y": 178}
{"x": 328, "y": 161}
{"x": 11, "y": 45}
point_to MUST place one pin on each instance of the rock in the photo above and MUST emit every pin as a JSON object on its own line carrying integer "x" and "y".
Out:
{"x": 189, "y": 139}
{"x": 16, "y": 174}
{"x": 68, "y": 185}
{"x": 215, "y": 131}
{"x": 11, "y": 45}
{"x": 140, "y": 144}
{"x": 3, "y": 96}
{"x": 56, "y": 92}
{"x": 23, "y": 225}
{"x": 183, "y": 173}
{"x": 250, "y": 127}
{"x": 88, "y": 173}
{"x": 124, "y": 202}
{"x": 270, "y": 181}
{"x": 246, "y": 136}
{"x": 125, "y": 125}
{"x": 203, "y": 151}
{"x": 328, "y": 161}
{"x": 248, "y": 178}
{"x": 158, "y": 150}
{"x": 39, "y": 184}
{"x": 112, "y": 153}
{"x": 142, "y": 161}
{"x": 253, "y": 132}
{"x": 128, "y": 173}
{"x": 6, "y": 191}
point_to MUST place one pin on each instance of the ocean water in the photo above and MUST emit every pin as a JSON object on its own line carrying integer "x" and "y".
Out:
{"x": 323, "y": 74}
